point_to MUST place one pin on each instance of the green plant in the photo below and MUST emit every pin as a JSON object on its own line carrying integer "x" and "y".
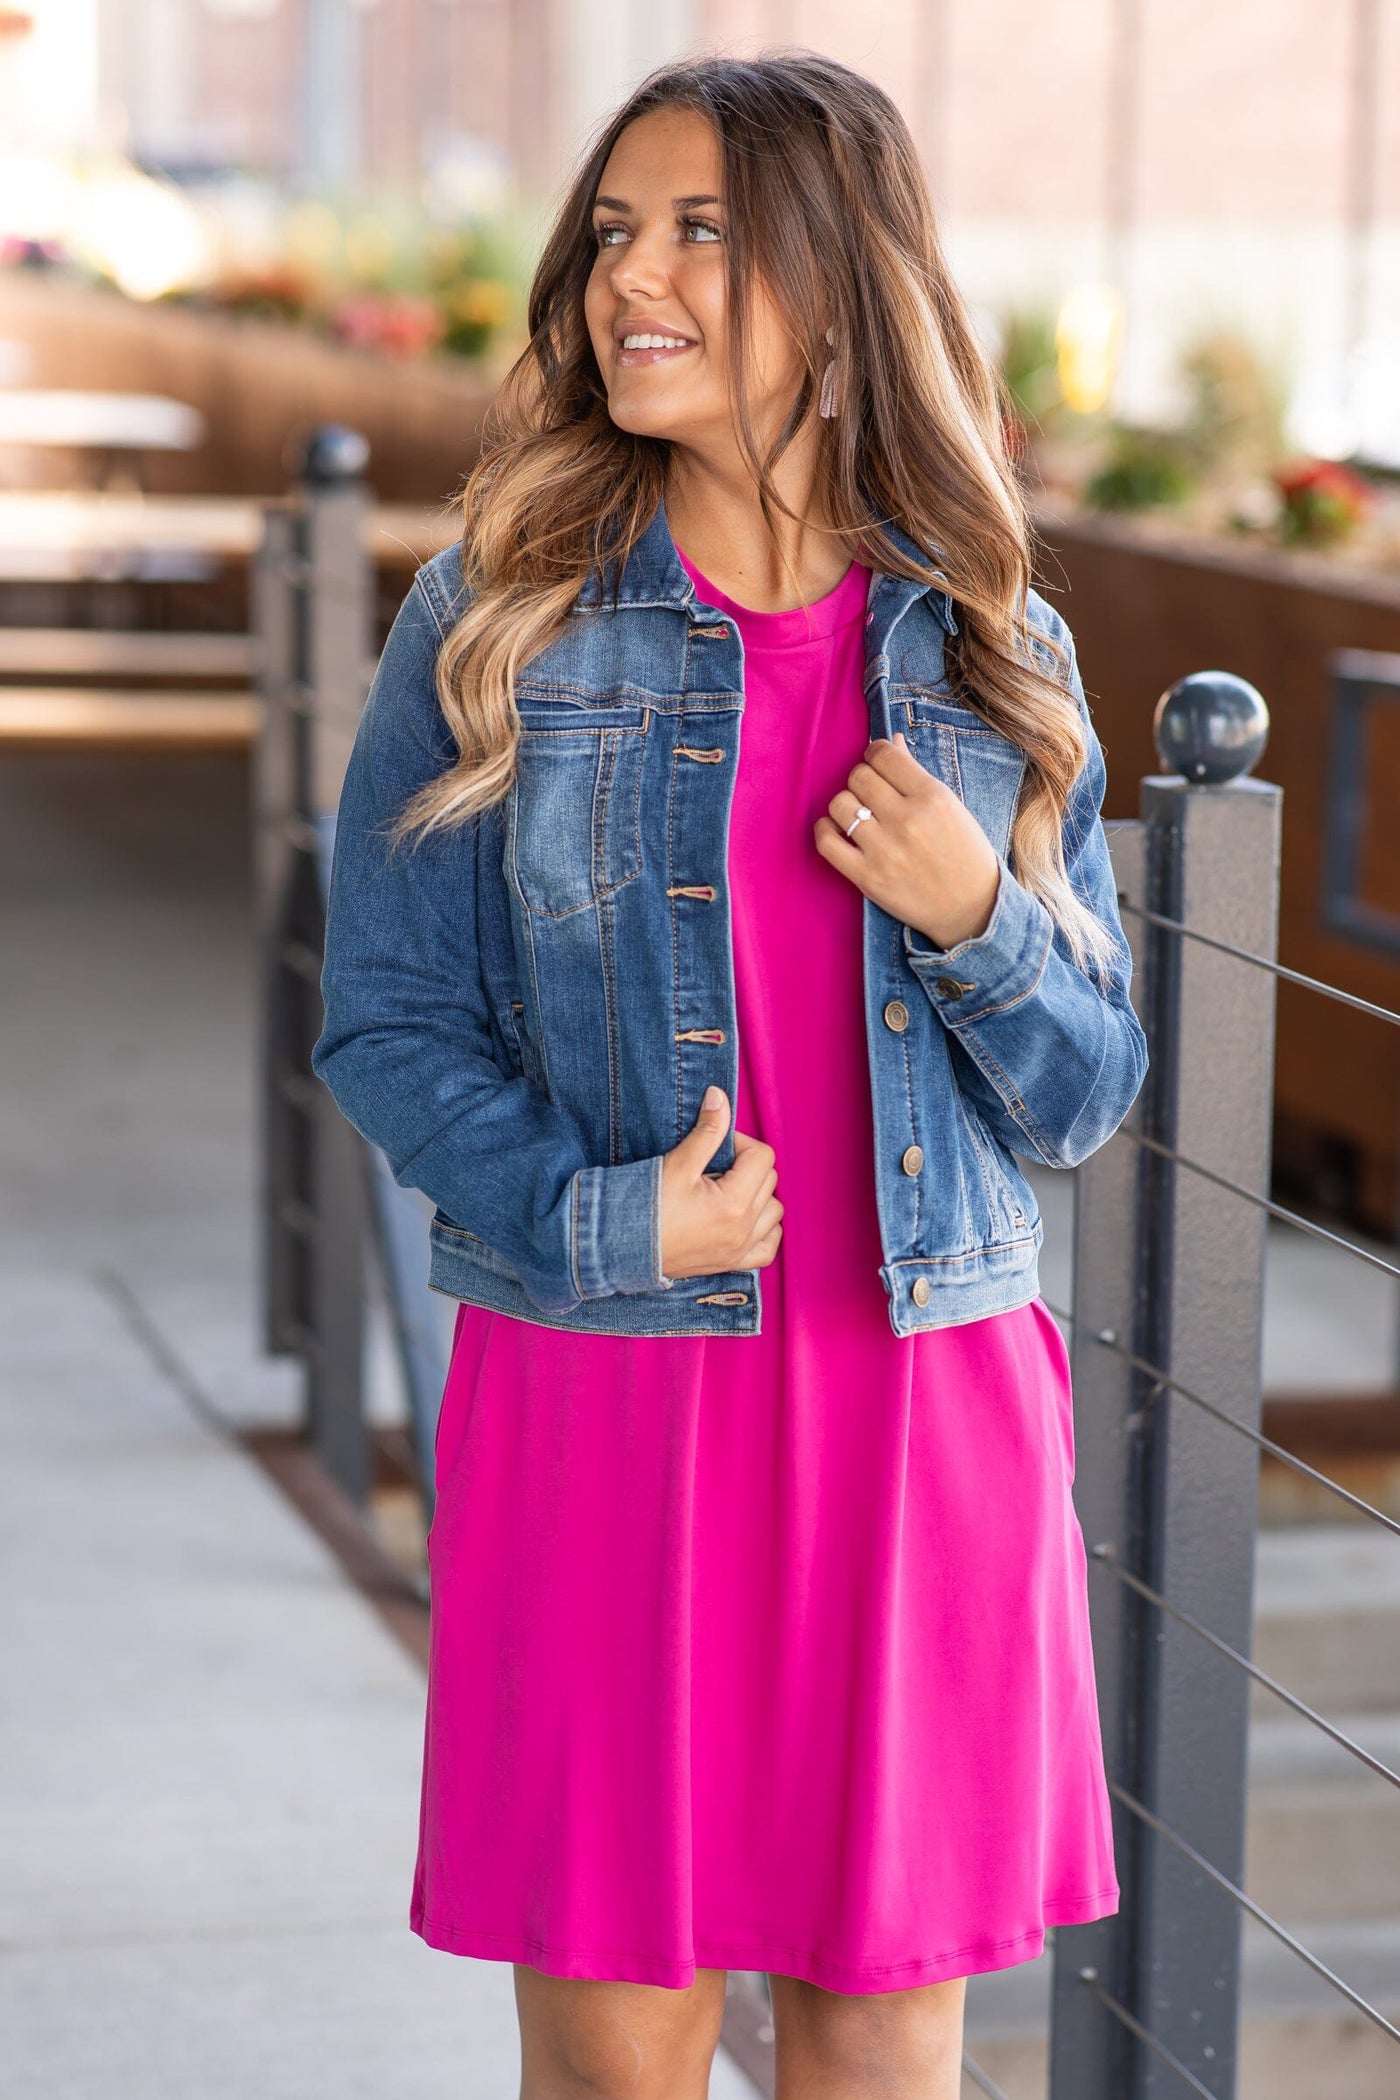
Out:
{"x": 1235, "y": 404}
{"x": 1143, "y": 467}
{"x": 1029, "y": 365}
{"x": 469, "y": 277}
{"x": 373, "y": 270}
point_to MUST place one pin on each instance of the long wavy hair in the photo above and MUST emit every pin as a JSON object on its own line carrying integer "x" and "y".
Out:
{"x": 827, "y": 201}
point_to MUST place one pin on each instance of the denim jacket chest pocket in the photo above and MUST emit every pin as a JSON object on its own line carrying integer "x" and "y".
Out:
{"x": 573, "y": 815}
{"x": 983, "y": 769}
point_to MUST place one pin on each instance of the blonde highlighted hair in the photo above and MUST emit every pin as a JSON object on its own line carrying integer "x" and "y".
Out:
{"x": 827, "y": 204}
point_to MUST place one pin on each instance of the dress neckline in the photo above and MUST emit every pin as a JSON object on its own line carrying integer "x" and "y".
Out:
{"x": 797, "y": 624}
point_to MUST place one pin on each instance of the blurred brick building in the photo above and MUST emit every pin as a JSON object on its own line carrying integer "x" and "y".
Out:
{"x": 1231, "y": 164}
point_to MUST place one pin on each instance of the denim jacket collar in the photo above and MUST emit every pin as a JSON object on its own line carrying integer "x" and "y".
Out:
{"x": 654, "y": 575}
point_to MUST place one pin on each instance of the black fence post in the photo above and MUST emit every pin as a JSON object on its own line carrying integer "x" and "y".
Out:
{"x": 279, "y": 835}
{"x": 1169, "y": 1271}
{"x": 1091, "y": 2051}
{"x": 313, "y": 608}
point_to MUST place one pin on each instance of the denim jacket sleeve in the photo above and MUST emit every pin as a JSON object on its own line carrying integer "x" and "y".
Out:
{"x": 406, "y": 1047}
{"x": 1056, "y": 1054}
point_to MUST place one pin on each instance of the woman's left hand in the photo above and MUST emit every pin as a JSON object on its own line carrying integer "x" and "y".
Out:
{"x": 920, "y": 855}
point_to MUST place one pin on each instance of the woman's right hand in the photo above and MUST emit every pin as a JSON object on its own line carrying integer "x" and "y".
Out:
{"x": 716, "y": 1222}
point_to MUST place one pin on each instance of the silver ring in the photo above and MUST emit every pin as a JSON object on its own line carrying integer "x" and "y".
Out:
{"x": 861, "y": 814}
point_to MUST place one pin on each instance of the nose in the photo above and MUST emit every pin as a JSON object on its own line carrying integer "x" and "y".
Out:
{"x": 641, "y": 265}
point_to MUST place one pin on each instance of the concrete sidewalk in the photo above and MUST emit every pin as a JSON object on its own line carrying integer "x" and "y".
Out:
{"x": 211, "y": 1763}
{"x": 210, "y": 1746}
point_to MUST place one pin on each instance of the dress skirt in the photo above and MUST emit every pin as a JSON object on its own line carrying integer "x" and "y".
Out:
{"x": 771, "y": 1651}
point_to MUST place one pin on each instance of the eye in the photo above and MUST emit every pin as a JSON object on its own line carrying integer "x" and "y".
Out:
{"x": 606, "y": 227}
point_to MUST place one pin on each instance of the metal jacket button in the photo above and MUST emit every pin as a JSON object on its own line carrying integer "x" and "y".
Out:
{"x": 896, "y": 1014}
{"x": 951, "y": 988}
{"x": 922, "y": 1290}
{"x": 913, "y": 1158}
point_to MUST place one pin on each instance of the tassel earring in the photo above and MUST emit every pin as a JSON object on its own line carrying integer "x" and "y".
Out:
{"x": 826, "y": 406}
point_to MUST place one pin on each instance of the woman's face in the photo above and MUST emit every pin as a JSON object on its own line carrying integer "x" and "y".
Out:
{"x": 661, "y": 228}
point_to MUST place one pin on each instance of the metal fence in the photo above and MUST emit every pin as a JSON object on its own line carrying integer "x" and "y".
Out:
{"x": 1166, "y": 1330}
{"x": 330, "y": 1208}
{"x": 1165, "y": 1324}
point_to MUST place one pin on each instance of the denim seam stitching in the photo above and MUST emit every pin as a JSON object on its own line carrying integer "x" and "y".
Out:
{"x": 426, "y": 587}
{"x": 1002, "y": 1006}
{"x": 679, "y": 1063}
{"x": 576, "y": 1271}
{"x": 1015, "y": 1105}
{"x": 607, "y": 763}
{"x": 908, "y": 1076}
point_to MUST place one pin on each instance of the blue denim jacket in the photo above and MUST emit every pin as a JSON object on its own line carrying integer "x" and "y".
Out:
{"x": 525, "y": 1011}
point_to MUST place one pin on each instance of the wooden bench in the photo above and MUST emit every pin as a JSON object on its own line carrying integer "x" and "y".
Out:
{"x": 52, "y": 717}
{"x": 133, "y": 689}
{"x": 166, "y": 715}
{"x": 109, "y": 652}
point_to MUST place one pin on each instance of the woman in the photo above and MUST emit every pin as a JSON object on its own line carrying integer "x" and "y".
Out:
{"x": 759, "y": 1620}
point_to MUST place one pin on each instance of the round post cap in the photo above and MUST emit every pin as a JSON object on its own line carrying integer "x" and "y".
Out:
{"x": 334, "y": 453}
{"x": 1210, "y": 727}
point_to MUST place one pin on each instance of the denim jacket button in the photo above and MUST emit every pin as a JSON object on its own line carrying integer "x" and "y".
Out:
{"x": 921, "y": 1291}
{"x": 912, "y": 1158}
{"x": 896, "y": 1014}
{"x": 951, "y": 988}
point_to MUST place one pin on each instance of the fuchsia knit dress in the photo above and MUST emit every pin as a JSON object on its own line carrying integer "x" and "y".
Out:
{"x": 771, "y": 1651}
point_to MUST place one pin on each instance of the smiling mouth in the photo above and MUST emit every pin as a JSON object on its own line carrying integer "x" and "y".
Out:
{"x": 649, "y": 347}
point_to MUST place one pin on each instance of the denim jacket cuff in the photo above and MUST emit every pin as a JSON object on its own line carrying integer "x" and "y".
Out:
{"x": 617, "y": 1228}
{"x": 993, "y": 969}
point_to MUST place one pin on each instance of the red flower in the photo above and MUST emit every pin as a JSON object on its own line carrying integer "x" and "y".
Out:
{"x": 397, "y": 323}
{"x": 1326, "y": 477}
{"x": 1322, "y": 499}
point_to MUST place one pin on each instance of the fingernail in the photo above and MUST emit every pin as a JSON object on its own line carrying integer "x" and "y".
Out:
{"x": 712, "y": 1097}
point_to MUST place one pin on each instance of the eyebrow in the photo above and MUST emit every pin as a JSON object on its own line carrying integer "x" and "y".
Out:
{"x": 678, "y": 203}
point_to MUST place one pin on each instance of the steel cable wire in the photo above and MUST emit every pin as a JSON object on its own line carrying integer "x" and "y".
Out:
{"x": 1107, "y": 1557}
{"x": 980, "y": 2079}
{"x": 1280, "y": 1932}
{"x": 1265, "y": 1203}
{"x": 1090, "y": 1977}
{"x": 1263, "y": 962}
{"x": 1107, "y": 1340}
